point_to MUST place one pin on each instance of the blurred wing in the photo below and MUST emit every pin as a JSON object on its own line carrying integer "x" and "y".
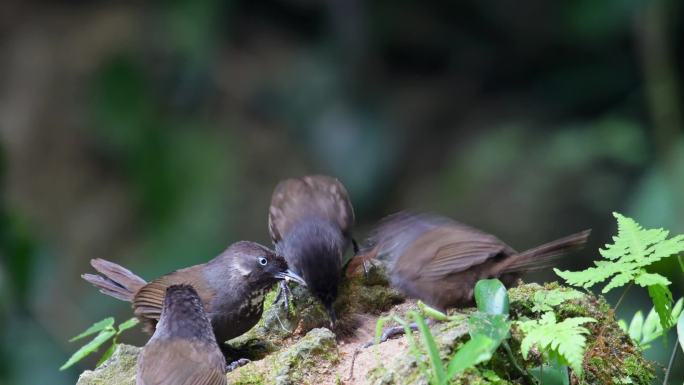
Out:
{"x": 430, "y": 246}
{"x": 182, "y": 363}
{"x": 315, "y": 195}
{"x": 148, "y": 301}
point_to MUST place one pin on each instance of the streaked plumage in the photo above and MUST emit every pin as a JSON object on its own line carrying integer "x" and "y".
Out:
{"x": 231, "y": 286}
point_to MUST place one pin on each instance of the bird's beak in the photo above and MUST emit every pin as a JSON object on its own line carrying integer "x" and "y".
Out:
{"x": 288, "y": 275}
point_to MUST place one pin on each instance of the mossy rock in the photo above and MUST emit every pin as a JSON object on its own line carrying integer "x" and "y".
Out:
{"x": 610, "y": 358}
{"x": 289, "y": 347}
{"x": 119, "y": 369}
{"x": 297, "y": 364}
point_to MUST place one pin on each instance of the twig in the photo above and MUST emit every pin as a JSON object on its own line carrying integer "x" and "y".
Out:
{"x": 351, "y": 368}
{"x": 622, "y": 297}
{"x": 669, "y": 366}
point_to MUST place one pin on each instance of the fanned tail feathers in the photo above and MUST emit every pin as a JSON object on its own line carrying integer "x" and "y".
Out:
{"x": 115, "y": 281}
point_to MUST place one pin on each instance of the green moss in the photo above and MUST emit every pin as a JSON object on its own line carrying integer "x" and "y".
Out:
{"x": 119, "y": 369}
{"x": 289, "y": 358}
{"x": 247, "y": 375}
{"x": 293, "y": 365}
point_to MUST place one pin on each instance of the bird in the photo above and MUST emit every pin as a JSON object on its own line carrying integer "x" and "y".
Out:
{"x": 310, "y": 222}
{"x": 438, "y": 260}
{"x": 183, "y": 348}
{"x": 232, "y": 287}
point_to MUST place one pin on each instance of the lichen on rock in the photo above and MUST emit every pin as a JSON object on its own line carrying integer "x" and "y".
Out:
{"x": 299, "y": 363}
{"x": 119, "y": 369}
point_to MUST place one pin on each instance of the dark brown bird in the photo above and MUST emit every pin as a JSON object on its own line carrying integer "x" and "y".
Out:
{"x": 438, "y": 260}
{"x": 183, "y": 349}
{"x": 310, "y": 222}
{"x": 231, "y": 286}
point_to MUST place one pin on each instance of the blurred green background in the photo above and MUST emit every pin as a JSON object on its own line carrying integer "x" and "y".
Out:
{"x": 152, "y": 134}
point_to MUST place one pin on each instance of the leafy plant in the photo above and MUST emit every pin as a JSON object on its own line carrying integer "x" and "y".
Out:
{"x": 644, "y": 331}
{"x": 105, "y": 331}
{"x": 564, "y": 340}
{"x": 546, "y": 300}
{"x": 487, "y": 331}
{"x": 625, "y": 261}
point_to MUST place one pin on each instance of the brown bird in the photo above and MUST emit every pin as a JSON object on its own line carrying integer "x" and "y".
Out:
{"x": 183, "y": 349}
{"x": 438, "y": 260}
{"x": 231, "y": 286}
{"x": 310, "y": 222}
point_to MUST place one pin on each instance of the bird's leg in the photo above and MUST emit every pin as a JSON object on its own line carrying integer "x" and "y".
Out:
{"x": 236, "y": 364}
{"x": 355, "y": 247}
{"x": 396, "y": 331}
{"x": 285, "y": 293}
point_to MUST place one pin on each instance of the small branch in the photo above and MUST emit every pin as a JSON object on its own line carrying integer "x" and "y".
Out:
{"x": 622, "y": 297}
{"x": 669, "y": 366}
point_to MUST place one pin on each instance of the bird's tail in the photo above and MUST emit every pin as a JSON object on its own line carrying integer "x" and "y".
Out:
{"x": 544, "y": 256}
{"x": 115, "y": 281}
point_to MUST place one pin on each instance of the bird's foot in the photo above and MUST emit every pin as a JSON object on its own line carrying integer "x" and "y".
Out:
{"x": 397, "y": 331}
{"x": 284, "y": 294}
{"x": 390, "y": 333}
{"x": 236, "y": 364}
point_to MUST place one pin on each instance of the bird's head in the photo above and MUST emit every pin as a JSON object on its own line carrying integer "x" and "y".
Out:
{"x": 259, "y": 265}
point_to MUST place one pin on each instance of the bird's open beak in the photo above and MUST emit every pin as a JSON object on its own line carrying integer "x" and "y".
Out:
{"x": 290, "y": 275}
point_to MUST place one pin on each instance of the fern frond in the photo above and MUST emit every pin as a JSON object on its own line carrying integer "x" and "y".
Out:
{"x": 634, "y": 249}
{"x": 545, "y": 300}
{"x": 566, "y": 338}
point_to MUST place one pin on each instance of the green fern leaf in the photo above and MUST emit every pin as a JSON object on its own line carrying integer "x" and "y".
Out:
{"x": 566, "y": 338}
{"x": 625, "y": 261}
{"x": 546, "y": 300}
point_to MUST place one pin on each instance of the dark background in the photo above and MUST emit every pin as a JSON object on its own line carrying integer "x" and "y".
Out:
{"x": 153, "y": 135}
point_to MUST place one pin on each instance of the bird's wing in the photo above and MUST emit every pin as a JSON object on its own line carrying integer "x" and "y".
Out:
{"x": 182, "y": 362}
{"x": 148, "y": 301}
{"x": 431, "y": 246}
{"x": 314, "y": 195}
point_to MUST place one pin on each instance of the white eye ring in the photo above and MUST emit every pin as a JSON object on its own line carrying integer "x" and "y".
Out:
{"x": 263, "y": 261}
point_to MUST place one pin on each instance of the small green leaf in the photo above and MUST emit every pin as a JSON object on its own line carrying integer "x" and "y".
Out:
{"x": 636, "y": 326}
{"x": 494, "y": 326}
{"x": 128, "y": 324}
{"x": 379, "y": 326}
{"x": 473, "y": 352}
{"x": 551, "y": 374}
{"x": 623, "y": 325}
{"x": 108, "y": 353}
{"x": 681, "y": 261}
{"x": 96, "y": 327}
{"x": 545, "y": 300}
{"x": 647, "y": 279}
{"x": 433, "y": 352}
{"x": 88, "y": 348}
{"x": 662, "y": 303}
{"x": 431, "y": 312}
{"x": 491, "y": 296}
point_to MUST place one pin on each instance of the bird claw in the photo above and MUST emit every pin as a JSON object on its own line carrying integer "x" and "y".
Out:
{"x": 285, "y": 293}
{"x": 236, "y": 364}
{"x": 390, "y": 333}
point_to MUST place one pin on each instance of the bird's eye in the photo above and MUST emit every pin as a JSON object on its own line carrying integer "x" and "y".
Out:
{"x": 263, "y": 261}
